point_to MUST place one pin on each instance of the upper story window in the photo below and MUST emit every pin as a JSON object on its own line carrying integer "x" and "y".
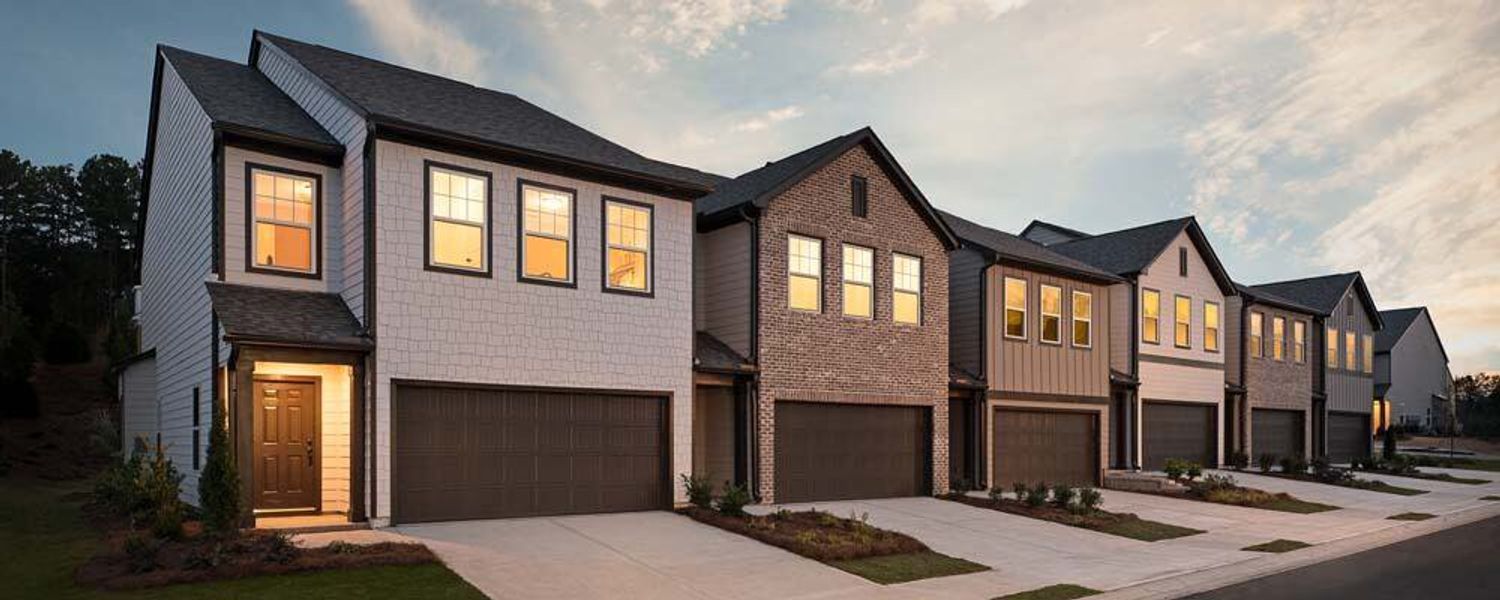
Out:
{"x": 627, "y": 245}
{"x": 859, "y": 281}
{"x": 547, "y": 233}
{"x": 1299, "y": 342}
{"x": 1182, "y": 261}
{"x": 1278, "y": 338}
{"x": 1257, "y": 335}
{"x": 1211, "y": 326}
{"x": 284, "y": 217}
{"x": 1182, "y": 315}
{"x": 804, "y": 288}
{"x": 1051, "y": 324}
{"x": 906, "y": 288}
{"x": 1350, "y": 351}
{"x": 1369, "y": 353}
{"x": 1151, "y": 316}
{"x": 1083, "y": 319}
{"x": 458, "y": 219}
{"x": 1331, "y": 339}
{"x": 859, "y": 196}
{"x": 1015, "y": 308}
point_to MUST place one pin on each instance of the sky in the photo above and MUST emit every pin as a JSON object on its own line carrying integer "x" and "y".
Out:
{"x": 1307, "y": 138}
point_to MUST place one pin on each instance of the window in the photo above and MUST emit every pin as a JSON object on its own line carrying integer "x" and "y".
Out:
{"x": 859, "y": 196}
{"x": 458, "y": 219}
{"x": 1051, "y": 326}
{"x": 1182, "y": 261}
{"x": 906, "y": 303}
{"x": 1350, "y": 351}
{"x": 1299, "y": 342}
{"x": 547, "y": 233}
{"x": 1331, "y": 338}
{"x": 1278, "y": 338}
{"x": 1083, "y": 319}
{"x": 1211, "y": 326}
{"x": 1015, "y": 308}
{"x": 1182, "y": 315}
{"x": 859, "y": 280}
{"x": 1257, "y": 335}
{"x": 804, "y": 288}
{"x": 1369, "y": 353}
{"x": 1151, "y": 316}
{"x": 284, "y": 215}
{"x": 197, "y": 420}
{"x": 627, "y": 246}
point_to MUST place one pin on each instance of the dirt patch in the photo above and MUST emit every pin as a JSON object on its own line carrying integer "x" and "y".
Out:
{"x": 814, "y": 534}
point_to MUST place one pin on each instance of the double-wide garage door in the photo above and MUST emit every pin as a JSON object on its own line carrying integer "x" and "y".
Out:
{"x": 847, "y": 451}
{"x": 1177, "y": 430}
{"x": 1033, "y": 447}
{"x": 1348, "y": 436}
{"x": 478, "y": 453}
{"x": 1277, "y": 432}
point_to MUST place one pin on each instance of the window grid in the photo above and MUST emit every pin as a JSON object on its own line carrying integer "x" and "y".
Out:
{"x": 1350, "y": 351}
{"x": 859, "y": 281}
{"x": 1151, "y": 316}
{"x": 1211, "y": 326}
{"x": 458, "y": 207}
{"x": 627, "y": 238}
{"x": 1083, "y": 319}
{"x": 1299, "y": 342}
{"x": 1182, "y": 315}
{"x": 805, "y": 273}
{"x": 547, "y": 221}
{"x": 1331, "y": 338}
{"x": 1369, "y": 353}
{"x": 906, "y": 286}
{"x": 1051, "y": 324}
{"x": 284, "y": 201}
{"x": 1257, "y": 335}
{"x": 1278, "y": 338}
{"x": 1015, "y": 308}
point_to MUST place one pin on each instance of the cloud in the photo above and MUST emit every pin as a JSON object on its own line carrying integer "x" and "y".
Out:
{"x": 695, "y": 27}
{"x": 420, "y": 39}
{"x": 890, "y": 60}
{"x": 767, "y": 119}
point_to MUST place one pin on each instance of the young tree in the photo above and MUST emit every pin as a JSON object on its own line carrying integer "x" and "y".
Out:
{"x": 219, "y": 483}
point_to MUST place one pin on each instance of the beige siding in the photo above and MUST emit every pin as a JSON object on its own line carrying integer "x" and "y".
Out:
{"x": 713, "y": 434}
{"x": 721, "y": 285}
{"x": 1120, "y": 320}
{"x": 1199, "y": 285}
{"x": 1031, "y": 366}
{"x": 329, "y": 252}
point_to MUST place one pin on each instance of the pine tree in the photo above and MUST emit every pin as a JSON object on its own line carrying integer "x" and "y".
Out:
{"x": 219, "y": 484}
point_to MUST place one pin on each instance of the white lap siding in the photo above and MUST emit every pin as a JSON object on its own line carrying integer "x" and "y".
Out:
{"x": 330, "y": 251}
{"x": 138, "y": 407}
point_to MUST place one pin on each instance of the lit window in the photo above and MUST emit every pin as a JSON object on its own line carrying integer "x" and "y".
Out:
{"x": 1257, "y": 335}
{"x": 458, "y": 207}
{"x": 859, "y": 280}
{"x": 1015, "y": 308}
{"x": 1083, "y": 319}
{"x": 1278, "y": 338}
{"x": 1151, "y": 316}
{"x": 1299, "y": 341}
{"x": 627, "y": 228}
{"x": 546, "y": 233}
{"x": 1331, "y": 338}
{"x": 1182, "y": 314}
{"x": 1369, "y": 353}
{"x": 1051, "y": 332}
{"x": 906, "y": 301}
{"x": 805, "y": 273}
{"x": 1350, "y": 351}
{"x": 1211, "y": 326}
{"x": 285, "y": 218}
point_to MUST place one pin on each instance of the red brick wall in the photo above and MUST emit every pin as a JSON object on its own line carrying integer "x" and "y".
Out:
{"x": 828, "y": 357}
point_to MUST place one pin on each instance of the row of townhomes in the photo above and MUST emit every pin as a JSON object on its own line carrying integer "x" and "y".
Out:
{"x": 413, "y": 299}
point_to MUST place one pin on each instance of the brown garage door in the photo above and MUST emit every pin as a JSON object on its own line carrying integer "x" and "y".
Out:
{"x": 1048, "y": 447}
{"x": 1174, "y": 430}
{"x": 469, "y": 453}
{"x": 847, "y": 451}
{"x": 1276, "y": 432}
{"x": 1348, "y": 436}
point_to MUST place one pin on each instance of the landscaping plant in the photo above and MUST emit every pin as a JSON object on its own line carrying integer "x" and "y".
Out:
{"x": 700, "y": 492}
{"x": 1062, "y": 495}
{"x": 1193, "y": 470}
{"x": 1089, "y": 499}
{"x": 219, "y": 484}
{"x": 1037, "y": 495}
{"x": 734, "y": 500}
{"x": 1174, "y": 468}
{"x": 1266, "y": 462}
{"x": 1239, "y": 460}
{"x": 1020, "y": 489}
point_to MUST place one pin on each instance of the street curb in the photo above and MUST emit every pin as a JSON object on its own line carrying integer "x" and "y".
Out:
{"x": 1213, "y": 578}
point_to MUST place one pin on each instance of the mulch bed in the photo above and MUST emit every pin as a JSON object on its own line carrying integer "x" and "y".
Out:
{"x": 1250, "y": 498}
{"x": 817, "y": 535}
{"x": 1121, "y": 524}
{"x": 199, "y": 558}
{"x": 1445, "y": 477}
{"x": 1369, "y": 485}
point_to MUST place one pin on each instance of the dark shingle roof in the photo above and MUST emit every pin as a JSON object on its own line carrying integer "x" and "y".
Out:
{"x": 392, "y": 94}
{"x": 1397, "y": 321}
{"x": 1256, "y": 294}
{"x": 1053, "y": 227}
{"x": 237, "y": 95}
{"x": 1021, "y": 250}
{"x": 263, "y": 314}
{"x": 710, "y": 354}
{"x": 1127, "y": 251}
{"x": 960, "y": 378}
{"x": 1324, "y": 292}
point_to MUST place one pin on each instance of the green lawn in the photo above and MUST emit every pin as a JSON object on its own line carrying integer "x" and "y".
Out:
{"x": 1381, "y": 486}
{"x": 1061, "y": 591}
{"x": 1278, "y": 546}
{"x": 1489, "y": 497}
{"x": 1457, "y": 462}
{"x": 1411, "y": 516}
{"x": 1293, "y": 505}
{"x": 901, "y": 568}
{"x": 1147, "y": 531}
{"x": 43, "y": 539}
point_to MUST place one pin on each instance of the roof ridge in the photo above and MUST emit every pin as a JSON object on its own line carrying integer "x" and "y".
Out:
{"x": 274, "y": 37}
{"x": 1183, "y": 220}
{"x": 1308, "y": 278}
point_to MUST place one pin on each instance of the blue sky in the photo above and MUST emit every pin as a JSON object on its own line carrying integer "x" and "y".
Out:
{"x": 1308, "y": 138}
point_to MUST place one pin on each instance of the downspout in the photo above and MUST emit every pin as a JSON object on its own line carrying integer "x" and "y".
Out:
{"x": 372, "y": 464}
{"x": 979, "y": 429}
{"x": 1131, "y": 397}
{"x": 1243, "y": 422}
{"x": 752, "y": 403}
{"x": 217, "y": 236}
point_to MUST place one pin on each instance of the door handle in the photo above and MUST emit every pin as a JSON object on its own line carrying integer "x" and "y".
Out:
{"x": 309, "y": 446}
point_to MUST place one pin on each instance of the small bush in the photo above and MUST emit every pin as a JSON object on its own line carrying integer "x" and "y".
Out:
{"x": 700, "y": 492}
{"x": 736, "y": 497}
{"x": 1214, "y": 483}
{"x": 1037, "y": 495}
{"x": 280, "y": 549}
{"x": 1293, "y": 465}
{"x": 219, "y": 482}
{"x": 207, "y": 556}
{"x": 963, "y": 485}
{"x": 343, "y": 547}
{"x": 1174, "y": 468}
{"x": 1020, "y": 489}
{"x": 1266, "y": 462}
{"x": 140, "y": 553}
{"x": 1239, "y": 460}
{"x": 1063, "y": 496}
{"x": 1193, "y": 471}
{"x": 1090, "y": 499}
{"x": 996, "y": 494}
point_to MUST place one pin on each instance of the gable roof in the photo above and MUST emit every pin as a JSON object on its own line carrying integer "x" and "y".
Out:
{"x": 1397, "y": 321}
{"x": 714, "y": 356}
{"x": 1035, "y": 225}
{"x": 271, "y": 315}
{"x": 1260, "y": 296}
{"x": 756, "y": 188}
{"x": 239, "y": 97}
{"x": 1128, "y": 252}
{"x": 1325, "y": 291}
{"x": 1008, "y": 247}
{"x": 423, "y": 103}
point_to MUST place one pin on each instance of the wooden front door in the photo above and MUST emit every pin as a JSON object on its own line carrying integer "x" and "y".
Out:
{"x": 286, "y": 445}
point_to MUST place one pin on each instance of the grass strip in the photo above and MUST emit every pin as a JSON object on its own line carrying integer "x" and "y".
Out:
{"x": 1278, "y": 546}
{"x": 1411, "y": 516}
{"x": 1061, "y": 591}
{"x": 901, "y": 568}
{"x": 1121, "y": 524}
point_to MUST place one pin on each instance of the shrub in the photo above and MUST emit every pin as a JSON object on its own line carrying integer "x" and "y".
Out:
{"x": 117, "y": 490}
{"x": 734, "y": 500}
{"x": 64, "y": 344}
{"x": 209, "y": 556}
{"x": 1266, "y": 462}
{"x": 1037, "y": 495}
{"x": 1063, "y": 496}
{"x": 1174, "y": 468}
{"x": 1214, "y": 483}
{"x": 1021, "y": 489}
{"x": 144, "y": 490}
{"x": 1089, "y": 499}
{"x": 219, "y": 483}
{"x": 162, "y": 486}
{"x": 1239, "y": 460}
{"x": 140, "y": 553}
{"x": 700, "y": 492}
{"x": 963, "y": 485}
{"x": 1194, "y": 471}
{"x": 342, "y": 547}
{"x": 280, "y": 549}
{"x": 996, "y": 494}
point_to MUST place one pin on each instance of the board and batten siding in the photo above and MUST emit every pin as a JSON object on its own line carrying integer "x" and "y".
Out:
{"x": 1418, "y": 370}
{"x": 139, "y": 416}
{"x": 1350, "y": 391}
{"x": 1030, "y": 366}
{"x": 330, "y": 251}
{"x": 496, "y": 330}
{"x": 721, "y": 281}
{"x": 176, "y": 260}
{"x": 1234, "y": 343}
{"x": 1120, "y": 345}
{"x": 349, "y": 128}
{"x": 967, "y": 270}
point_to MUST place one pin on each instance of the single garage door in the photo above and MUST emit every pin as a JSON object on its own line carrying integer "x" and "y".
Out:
{"x": 470, "y": 453}
{"x": 1044, "y": 446}
{"x": 847, "y": 451}
{"x": 1277, "y": 432}
{"x": 1177, "y": 430}
{"x": 1348, "y": 436}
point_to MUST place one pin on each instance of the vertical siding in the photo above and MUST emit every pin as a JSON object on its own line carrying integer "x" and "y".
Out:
{"x": 176, "y": 259}
{"x": 138, "y": 407}
{"x": 1350, "y": 391}
{"x": 1120, "y": 320}
{"x": 1234, "y": 340}
{"x": 1418, "y": 370}
{"x": 348, "y": 128}
{"x": 331, "y": 248}
{"x": 721, "y": 284}
{"x": 1031, "y": 366}
{"x": 967, "y": 270}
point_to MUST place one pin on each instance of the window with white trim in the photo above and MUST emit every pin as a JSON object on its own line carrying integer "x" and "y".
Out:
{"x": 906, "y": 289}
{"x": 859, "y": 281}
{"x": 458, "y": 211}
{"x": 627, "y": 246}
{"x": 1051, "y": 324}
{"x": 285, "y": 220}
{"x": 1015, "y": 308}
{"x": 1211, "y": 326}
{"x": 804, "y": 288}
{"x": 1278, "y": 338}
{"x": 1299, "y": 341}
{"x": 1151, "y": 316}
{"x": 547, "y": 233}
{"x": 1257, "y": 335}
{"x": 1083, "y": 319}
{"x": 1182, "y": 314}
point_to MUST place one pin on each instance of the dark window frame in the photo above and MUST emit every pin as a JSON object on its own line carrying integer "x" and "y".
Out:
{"x": 197, "y": 422}
{"x": 521, "y": 276}
{"x": 489, "y": 220}
{"x": 1142, "y": 316}
{"x": 317, "y": 225}
{"x": 650, "y": 291}
{"x": 859, "y": 196}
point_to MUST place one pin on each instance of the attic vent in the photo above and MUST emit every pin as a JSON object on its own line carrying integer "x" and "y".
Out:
{"x": 860, "y": 196}
{"x": 1182, "y": 261}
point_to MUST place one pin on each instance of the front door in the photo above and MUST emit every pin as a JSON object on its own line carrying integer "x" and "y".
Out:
{"x": 286, "y": 473}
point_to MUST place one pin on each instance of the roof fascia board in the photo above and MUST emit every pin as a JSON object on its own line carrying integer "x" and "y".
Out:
{"x": 258, "y": 140}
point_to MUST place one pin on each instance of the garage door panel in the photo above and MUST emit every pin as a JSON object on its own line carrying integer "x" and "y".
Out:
{"x": 849, "y": 451}
{"x": 1348, "y": 436}
{"x": 1178, "y": 430}
{"x": 1278, "y": 432}
{"x": 1034, "y": 446}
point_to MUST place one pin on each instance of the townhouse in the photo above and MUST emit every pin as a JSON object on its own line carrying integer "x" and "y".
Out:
{"x": 1413, "y": 385}
{"x": 1270, "y": 370}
